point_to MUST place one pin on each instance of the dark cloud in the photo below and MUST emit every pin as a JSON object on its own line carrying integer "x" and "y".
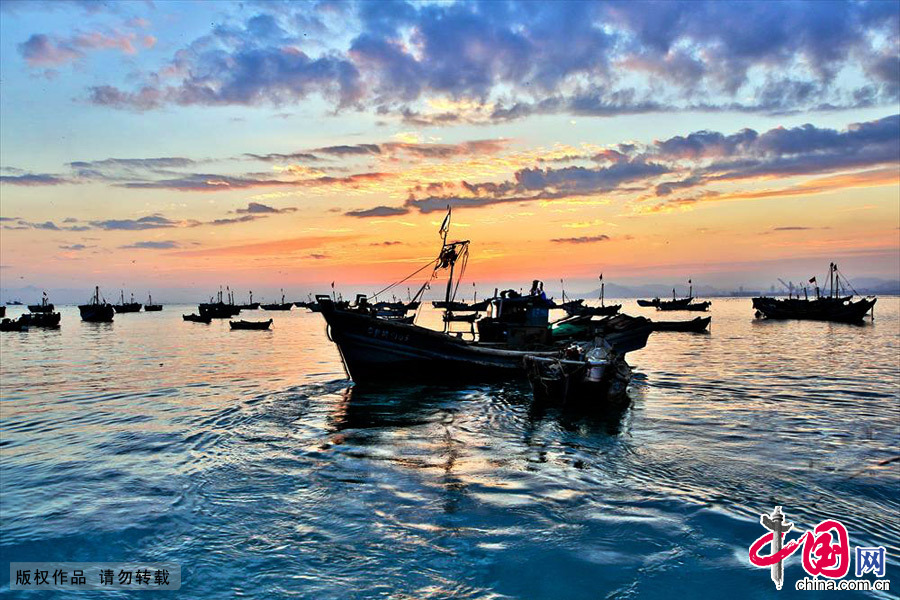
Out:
{"x": 542, "y": 184}
{"x": 610, "y": 57}
{"x": 149, "y": 222}
{"x": 255, "y": 208}
{"x": 354, "y": 150}
{"x": 582, "y": 240}
{"x": 378, "y": 211}
{"x": 34, "y": 179}
{"x": 166, "y": 162}
{"x": 75, "y": 247}
{"x": 386, "y": 243}
{"x": 152, "y": 245}
{"x": 293, "y": 157}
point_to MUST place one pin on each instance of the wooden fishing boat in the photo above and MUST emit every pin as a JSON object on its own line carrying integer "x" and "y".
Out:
{"x": 197, "y": 318}
{"x": 696, "y": 325}
{"x": 278, "y": 305}
{"x": 97, "y": 310}
{"x": 374, "y": 349}
{"x": 666, "y": 305}
{"x": 835, "y": 306}
{"x": 595, "y": 311}
{"x": 648, "y": 303}
{"x": 127, "y": 307}
{"x": 219, "y": 309}
{"x": 43, "y": 307}
{"x": 257, "y": 325}
{"x": 41, "y": 319}
{"x": 150, "y": 307}
{"x": 12, "y": 325}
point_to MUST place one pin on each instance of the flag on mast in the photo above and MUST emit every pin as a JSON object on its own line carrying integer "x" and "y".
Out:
{"x": 445, "y": 226}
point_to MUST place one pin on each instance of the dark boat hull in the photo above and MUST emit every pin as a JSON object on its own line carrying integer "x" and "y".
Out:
{"x": 255, "y": 325}
{"x": 152, "y": 307}
{"x": 647, "y": 303}
{"x": 97, "y": 313}
{"x": 251, "y": 306}
{"x": 40, "y": 308}
{"x": 128, "y": 307}
{"x": 198, "y": 318}
{"x": 375, "y": 350}
{"x": 41, "y": 319}
{"x": 698, "y": 307}
{"x": 823, "y": 309}
{"x": 285, "y": 306}
{"x": 11, "y": 325}
{"x": 219, "y": 310}
{"x": 596, "y": 311}
{"x": 696, "y": 325}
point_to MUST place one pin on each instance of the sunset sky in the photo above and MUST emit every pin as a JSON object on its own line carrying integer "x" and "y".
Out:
{"x": 175, "y": 145}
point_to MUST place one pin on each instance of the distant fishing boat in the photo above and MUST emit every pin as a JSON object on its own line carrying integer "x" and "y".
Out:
{"x": 43, "y": 307}
{"x": 219, "y": 309}
{"x": 648, "y": 303}
{"x": 260, "y": 325}
{"x": 696, "y": 325}
{"x": 14, "y": 302}
{"x": 127, "y": 307}
{"x": 278, "y": 305}
{"x": 150, "y": 307}
{"x": 250, "y": 305}
{"x": 97, "y": 310}
{"x": 197, "y": 318}
{"x": 836, "y": 306}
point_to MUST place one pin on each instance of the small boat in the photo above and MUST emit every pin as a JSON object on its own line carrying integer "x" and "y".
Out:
{"x": 150, "y": 307}
{"x": 197, "y": 318}
{"x": 836, "y": 306}
{"x": 43, "y": 307}
{"x": 648, "y": 303}
{"x": 127, "y": 307}
{"x": 12, "y": 325}
{"x": 696, "y": 325}
{"x": 260, "y": 325}
{"x": 595, "y": 311}
{"x": 250, "y": 305}
{"x": 695, "y": 306}
{"x": 587, "y": 373}
{"x": 278, "y": 305}
{"x": 97, "y": 310}
{"x": 2, "y": 311}
{"x": 41, "y": 319}
{"x": 14, "y": 303}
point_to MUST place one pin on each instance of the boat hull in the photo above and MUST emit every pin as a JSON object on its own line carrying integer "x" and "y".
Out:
{"x": 152, "y": 307}
{"x": 823, "y": 309}
{"x": 41, "y": 319}
{"x": 128, "y": 307}
{"x": 41, "y": 308}
{"x": 376, "y": 350}
{"x": 696, "y": 325}
{"x": 97, "y": 313}
{"x": 251, "y": 325}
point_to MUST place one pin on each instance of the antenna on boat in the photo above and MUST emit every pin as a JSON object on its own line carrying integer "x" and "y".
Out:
{"x": 690, "y": 289}
{"x": 563, "y": 286}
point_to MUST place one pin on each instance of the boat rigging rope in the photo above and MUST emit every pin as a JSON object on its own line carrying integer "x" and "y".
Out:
{"x": 375, "y": 295}
{"x": 847, "y": 281}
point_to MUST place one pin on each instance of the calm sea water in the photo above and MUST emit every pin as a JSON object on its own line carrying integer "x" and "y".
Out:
{"x": 249, "y": 459}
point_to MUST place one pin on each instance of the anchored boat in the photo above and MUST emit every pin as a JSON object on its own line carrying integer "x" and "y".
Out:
{"x": 127, "y": 307}
{"x": 44, "y": 307}
{"x": 97, "y": 310}
{"x": 835, "y": 306}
